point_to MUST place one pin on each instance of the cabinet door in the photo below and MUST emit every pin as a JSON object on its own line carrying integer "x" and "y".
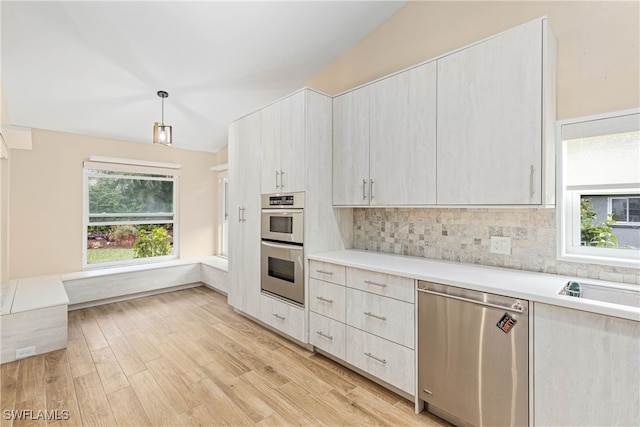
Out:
{"x": 403, "y": 138}
{"x": 244, "y": 213}
{"x": 270, "y": 141}
{"x": 292, "y": 143}
{"x": 351, "y": 148}
{"x": 489, "y": 121}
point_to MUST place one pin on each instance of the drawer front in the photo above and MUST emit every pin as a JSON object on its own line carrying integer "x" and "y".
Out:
{"x": 284, "y": 317}
{"x": 397, "y": 287}
{"x": 327, "y": 299}
{"x": 390, "y": 362}
{"x": 385, "y": 317}
{"x": 328, "y": 272}
{"x": 328, "y": 335}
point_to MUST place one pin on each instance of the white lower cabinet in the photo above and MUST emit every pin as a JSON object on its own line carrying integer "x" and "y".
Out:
{"x": 327, "y": 334}
{"x": 385, "y": 317}
{"x": 369, "y": 323}
{"x": 381, "y": 358}
{"x": 285, "y": 317}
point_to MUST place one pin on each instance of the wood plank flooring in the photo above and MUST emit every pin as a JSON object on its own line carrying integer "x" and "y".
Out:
{"x": 186, "y": 358}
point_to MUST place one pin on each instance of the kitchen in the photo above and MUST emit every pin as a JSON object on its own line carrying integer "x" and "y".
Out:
{"x": 370, "y": 225}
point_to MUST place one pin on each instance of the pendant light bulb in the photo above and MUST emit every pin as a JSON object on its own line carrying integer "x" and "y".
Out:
{"x": 162, "y": 132}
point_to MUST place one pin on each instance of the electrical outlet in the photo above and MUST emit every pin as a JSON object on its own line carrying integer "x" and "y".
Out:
{"x": 21, "y": 353}
{"x": 501, "y": 245}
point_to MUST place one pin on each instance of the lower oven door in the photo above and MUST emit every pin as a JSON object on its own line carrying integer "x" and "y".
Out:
{"x": 282, "y": 271}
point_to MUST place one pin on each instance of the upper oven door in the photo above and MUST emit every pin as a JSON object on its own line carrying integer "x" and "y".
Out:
{"x": 284, "y": 225}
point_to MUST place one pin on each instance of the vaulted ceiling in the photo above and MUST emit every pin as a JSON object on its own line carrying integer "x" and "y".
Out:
{"x": 94, "y": 67}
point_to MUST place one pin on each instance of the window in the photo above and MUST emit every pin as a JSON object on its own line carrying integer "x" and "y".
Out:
{"x": 625, "y": 209}
{"x": 599, "y": 189}
{"x": 130, "y": 213}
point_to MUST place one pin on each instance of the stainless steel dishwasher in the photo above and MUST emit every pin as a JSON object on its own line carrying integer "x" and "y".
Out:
{"x": 473, "y": 356}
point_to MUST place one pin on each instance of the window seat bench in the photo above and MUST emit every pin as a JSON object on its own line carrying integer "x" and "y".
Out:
{"x": 34, "y": 310}
{"x": 33, "y": 318}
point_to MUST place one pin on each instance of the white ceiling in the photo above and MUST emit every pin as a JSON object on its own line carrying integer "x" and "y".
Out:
{"x": 94, "y": 68}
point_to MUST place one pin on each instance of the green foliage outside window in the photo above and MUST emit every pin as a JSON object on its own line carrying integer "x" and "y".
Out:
{"x": 595, "y": 235}
{"x": 156, "y": 242}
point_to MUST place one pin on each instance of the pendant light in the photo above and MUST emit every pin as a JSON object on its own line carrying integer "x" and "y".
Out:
{"x": 162, "y": 132}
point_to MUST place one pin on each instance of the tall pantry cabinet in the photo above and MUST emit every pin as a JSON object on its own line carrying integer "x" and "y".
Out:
{"x": 244, "y": 213}
{"x": 284, "y": 147}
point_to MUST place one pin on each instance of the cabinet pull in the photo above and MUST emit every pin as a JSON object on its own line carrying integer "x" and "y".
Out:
{"x": 531, "y": 181}
{"x": 364, "y": 189}
{"x": 367, "y": 313}
{"x": 330, "y": 301}
{"x": 278, "y": 316}
{"x": 277, "y": 175}
{"x": 281, "y": 179}
{"x": 369, "y": 282}
{"x": 384, "y": 361}
{"x": 239, "y": 214}
{"x": 329, "y": 337}
{"x": 371, "y": 189}
{"x": 324, "y": 272}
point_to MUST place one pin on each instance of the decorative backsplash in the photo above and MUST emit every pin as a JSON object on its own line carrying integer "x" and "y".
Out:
{"x": 464, "y": 234}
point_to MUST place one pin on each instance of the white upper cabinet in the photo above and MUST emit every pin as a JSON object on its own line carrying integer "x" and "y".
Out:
{"x": 351, "y": 148}
{"x": 402, "y": 139}
{"x": 469, "y": 128}
{"x": 283, "y": 145}
{"x": 491, "y": 114}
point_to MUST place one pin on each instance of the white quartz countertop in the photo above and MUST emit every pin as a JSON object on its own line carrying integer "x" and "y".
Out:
{"x": 532, "y": 286}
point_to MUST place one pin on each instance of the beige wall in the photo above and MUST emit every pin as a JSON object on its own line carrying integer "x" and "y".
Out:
{"x": 45, "y": 199}
{"x": 598, "y": 47}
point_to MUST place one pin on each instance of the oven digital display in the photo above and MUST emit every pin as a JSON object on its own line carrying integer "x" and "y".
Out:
{"x": 281, "y": 200}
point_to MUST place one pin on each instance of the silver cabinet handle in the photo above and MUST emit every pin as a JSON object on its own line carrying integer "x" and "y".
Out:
{"x": 376, "y": 358}
{"x": 371, "y": 189}
{"x": 364, "y": 189}
{"x": 369, "y": 282}
{"x": 281, "y": 179}
{"x": 278, "y": 316}
{"x": 329, "y": 337}
{"x": 239, "y": 213}
{"x": 324, "y": 272}
{"x": 531, "y": 181}
{"x": 277, "y": 175}
{"x": 367, "y": 313}
{"x": 330, "y": 301}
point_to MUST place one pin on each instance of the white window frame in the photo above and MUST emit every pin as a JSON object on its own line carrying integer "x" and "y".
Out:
{"x": 568, "y": 209}
{"x": 131, "y": 166}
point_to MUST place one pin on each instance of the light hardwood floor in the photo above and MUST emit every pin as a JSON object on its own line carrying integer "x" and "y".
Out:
{"x": 186, "y": 358}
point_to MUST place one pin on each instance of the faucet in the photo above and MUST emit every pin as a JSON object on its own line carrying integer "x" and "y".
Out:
{"x": 573, "y": 289}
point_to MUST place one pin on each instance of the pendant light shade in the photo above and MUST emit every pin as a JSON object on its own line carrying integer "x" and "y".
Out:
{"x": 161, "y": 132}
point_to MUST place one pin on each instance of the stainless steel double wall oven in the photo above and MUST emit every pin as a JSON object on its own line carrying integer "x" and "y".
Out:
{"x": 282, "y": 256}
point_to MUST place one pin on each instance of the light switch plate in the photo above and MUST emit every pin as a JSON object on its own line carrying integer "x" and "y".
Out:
{"x": 501, "y": 245}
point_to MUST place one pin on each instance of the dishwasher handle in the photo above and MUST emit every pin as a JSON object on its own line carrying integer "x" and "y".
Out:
{"x": 516, "y": 307}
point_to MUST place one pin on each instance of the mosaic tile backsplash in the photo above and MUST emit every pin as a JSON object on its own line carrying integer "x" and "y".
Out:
{"x": 464, "y": 234}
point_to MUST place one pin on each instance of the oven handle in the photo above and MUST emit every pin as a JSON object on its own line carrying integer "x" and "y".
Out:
{"x": 282, "y": 246}
{"x": 282, "y": 211}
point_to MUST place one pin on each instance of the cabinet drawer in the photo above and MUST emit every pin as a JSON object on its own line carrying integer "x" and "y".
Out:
{"x": 385, "y": 317}
{"x": 327, "y": 334}
{"x": 327, "y": 299}
{"x": 328, "y": 272}
{"x": 388, "y": 361}
{"x": 286, "y": 318}
{"x": 397, "y": 287}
